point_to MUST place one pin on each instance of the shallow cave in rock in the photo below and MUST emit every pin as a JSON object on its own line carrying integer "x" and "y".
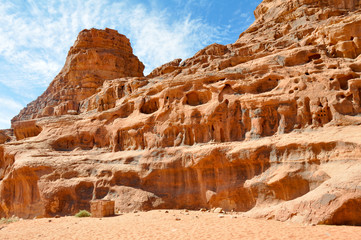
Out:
{"x": 197, "y": 98}
{"x": 348, "y": 214}
{"x": 149, "y": 106}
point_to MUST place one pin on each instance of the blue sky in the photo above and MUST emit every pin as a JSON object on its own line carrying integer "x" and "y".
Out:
{"x": 35, "y": 36}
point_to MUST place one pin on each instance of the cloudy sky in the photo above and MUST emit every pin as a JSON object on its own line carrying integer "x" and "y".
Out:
{"x": 35, "y": 36}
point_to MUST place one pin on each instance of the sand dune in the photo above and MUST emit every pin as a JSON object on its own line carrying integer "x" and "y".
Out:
{"x": 175, "y": 224}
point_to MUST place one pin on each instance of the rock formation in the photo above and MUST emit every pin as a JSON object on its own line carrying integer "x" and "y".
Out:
{"x": 97, "y": 56}
{"x": 267, "y": 125}
{"x": 5, "y": 136}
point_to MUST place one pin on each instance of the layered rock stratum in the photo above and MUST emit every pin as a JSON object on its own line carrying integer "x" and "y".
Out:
{"x": 268, "y": 125}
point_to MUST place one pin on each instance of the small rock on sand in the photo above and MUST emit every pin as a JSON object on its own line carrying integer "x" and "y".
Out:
{"x": 218, "y": 210}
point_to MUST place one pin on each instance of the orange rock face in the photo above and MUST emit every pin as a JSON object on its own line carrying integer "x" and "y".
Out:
{"x": 267, "y": 126}
{"x": 97, "y": 56}
{"x": 4, "y": 136}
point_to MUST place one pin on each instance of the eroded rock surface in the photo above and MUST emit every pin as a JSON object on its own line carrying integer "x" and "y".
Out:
{"x": 267, "y": 126}
{"x": 97, "y": 56}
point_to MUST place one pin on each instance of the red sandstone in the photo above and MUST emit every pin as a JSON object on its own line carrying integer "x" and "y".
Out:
{"x": 267, "y": 125}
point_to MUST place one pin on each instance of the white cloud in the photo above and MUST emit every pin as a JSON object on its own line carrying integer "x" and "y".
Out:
{"x": 8, "y": 108}
{"x": 156, "y": 41}
{"x": 10, "y": 103}
{"x": 38, "y": 38}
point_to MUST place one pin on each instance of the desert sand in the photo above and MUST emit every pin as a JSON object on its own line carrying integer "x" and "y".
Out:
{"x": 171, "y": 224}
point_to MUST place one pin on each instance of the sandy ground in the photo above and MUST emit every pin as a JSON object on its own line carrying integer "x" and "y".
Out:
{"x": 175, "y": 224}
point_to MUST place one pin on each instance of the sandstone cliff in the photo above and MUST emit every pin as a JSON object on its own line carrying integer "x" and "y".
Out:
{"x": 267, "y": 126}
{"x": 97, "y": 56}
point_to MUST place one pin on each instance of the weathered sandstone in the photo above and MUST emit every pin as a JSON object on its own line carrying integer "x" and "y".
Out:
{"x": 267, "y": 126}
{"x": 97, "y": 56}
{"x": 4, "y": 136}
